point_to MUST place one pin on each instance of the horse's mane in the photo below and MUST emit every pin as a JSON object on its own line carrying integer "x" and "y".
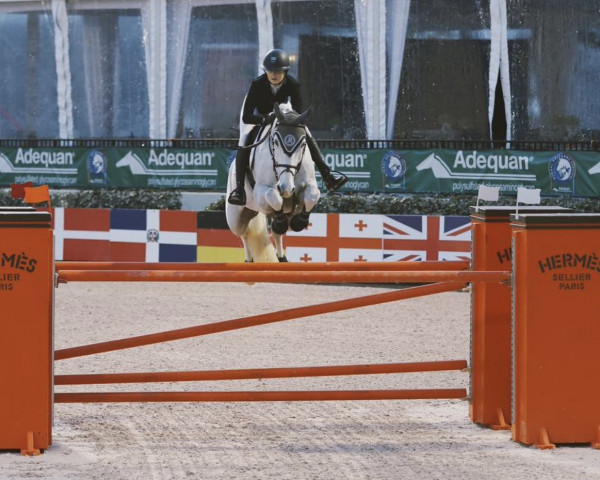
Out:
{"x": 289, "y": 116}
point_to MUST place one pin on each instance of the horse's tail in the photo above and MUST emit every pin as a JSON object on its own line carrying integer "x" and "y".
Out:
{"x": 260, "y": 246}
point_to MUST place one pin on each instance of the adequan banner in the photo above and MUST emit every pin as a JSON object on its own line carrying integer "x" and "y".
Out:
{"x": 392, "y": 171}
{"x": 462, "y": 171}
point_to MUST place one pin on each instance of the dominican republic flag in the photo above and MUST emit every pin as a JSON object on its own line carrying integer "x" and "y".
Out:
{"x": 153, "y": 235}
{"x": 336, "y": 238}
{"x": 125, "y": 235}
{"x": 416, "y": 237}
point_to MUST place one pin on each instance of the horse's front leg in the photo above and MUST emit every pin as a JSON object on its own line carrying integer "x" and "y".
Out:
{"x": 268, "y": 199}
{"x": 278, "y": 239}
{"x": 310, "y": 197}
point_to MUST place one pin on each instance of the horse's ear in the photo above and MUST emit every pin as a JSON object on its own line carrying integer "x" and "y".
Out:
{"x": 277, "y": 111}
{"x": 303, "y": 116}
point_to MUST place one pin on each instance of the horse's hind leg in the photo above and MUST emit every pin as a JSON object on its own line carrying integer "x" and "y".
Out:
{"x": 247, "y": 254}
{"x": 279, "y": 247}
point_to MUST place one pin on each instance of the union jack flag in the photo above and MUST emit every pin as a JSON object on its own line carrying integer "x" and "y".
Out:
{"x": 418, "y": 238}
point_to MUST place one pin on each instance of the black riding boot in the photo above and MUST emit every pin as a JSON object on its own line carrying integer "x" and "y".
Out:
{"x": 332, "y": 180}
{"x": 242, "y": 159}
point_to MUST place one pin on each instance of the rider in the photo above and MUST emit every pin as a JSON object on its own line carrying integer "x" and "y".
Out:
{"x": 273, "y": 86}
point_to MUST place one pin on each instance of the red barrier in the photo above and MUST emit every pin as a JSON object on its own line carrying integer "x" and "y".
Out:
{"x": 252, "y": 396}
{"x": 255, "y": 320}
{"x": 280, "y": 277}
{"x": 284, "y": 266}
{"x": 452, "y": 275}
{"x": 252, "y": 373}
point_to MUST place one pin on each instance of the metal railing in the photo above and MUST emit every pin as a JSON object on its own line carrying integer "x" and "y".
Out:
{"x": 231, "y": 143}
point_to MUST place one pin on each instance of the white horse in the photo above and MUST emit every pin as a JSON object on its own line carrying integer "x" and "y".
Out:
{"x": 280, "y": 188}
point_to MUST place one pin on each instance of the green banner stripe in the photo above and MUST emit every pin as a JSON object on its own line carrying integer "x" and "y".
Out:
{"x": 392, "y": 171}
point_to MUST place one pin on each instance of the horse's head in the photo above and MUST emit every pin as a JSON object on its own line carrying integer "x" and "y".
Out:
{"x": 288, "y": 144}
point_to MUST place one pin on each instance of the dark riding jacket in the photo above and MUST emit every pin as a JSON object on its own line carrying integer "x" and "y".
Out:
{"x": 260, "y": 98}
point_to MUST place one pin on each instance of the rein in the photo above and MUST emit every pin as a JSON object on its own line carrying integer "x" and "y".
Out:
{"x": 267, "y": 135}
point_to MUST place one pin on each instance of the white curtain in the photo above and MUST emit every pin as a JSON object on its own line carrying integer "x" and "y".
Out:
{"x": 99, "y": 37}
{"x": 499, "y": 63}
{"x": 370, "y": 28}
{"x": 179, "y": 15}
{"x": 63, "y": 69}
{"x": 154, "y": 24}
{"x": 264, "y": 17}
{"x": 397, "y": 27}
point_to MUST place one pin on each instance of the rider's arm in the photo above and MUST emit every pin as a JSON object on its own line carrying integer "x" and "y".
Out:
{"x": 250, "y": 115}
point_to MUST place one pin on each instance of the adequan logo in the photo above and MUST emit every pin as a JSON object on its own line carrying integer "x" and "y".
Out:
{"x": 38, "y": 162}
{"x": 172, "y": 163}
{"x": 393, "y": 167}
{"x": 562, "y": 173}
{"x": 504, "y": 167}
{"x": 352, "y": 165}
{"x": 97, "y": 168}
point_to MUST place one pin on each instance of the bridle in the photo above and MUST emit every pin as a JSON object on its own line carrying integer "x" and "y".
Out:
{"x": 300, "y": 143}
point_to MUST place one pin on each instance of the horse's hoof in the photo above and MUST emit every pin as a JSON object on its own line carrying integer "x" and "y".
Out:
{"x": 299, "y": 222}
{"x": 280, "y": 225}
{"x": 282, "y": 259}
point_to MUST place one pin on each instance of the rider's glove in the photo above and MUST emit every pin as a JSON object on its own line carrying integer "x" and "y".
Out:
{"x": 268, "y": 118}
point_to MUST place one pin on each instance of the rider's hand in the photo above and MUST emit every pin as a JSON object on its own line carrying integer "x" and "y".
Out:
{"x": 269, "y": 118}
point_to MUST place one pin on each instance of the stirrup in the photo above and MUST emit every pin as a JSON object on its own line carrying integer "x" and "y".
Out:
{"x": 238, "y": 197}
{"x": 334, "y": 180}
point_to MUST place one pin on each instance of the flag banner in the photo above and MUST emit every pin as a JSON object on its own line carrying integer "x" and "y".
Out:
{"x": 82, "y": 234}
{"x": 177, "y": 236}
{"x": 17, "y": 190}
{"x": 39, "y": 194}
{"x": 530, "y": 196}
{"x": 353, "y": 238}
{"x": 374, "y": 170}
{"x": 215, "y": 242}
{"x": 340, "y": 234}
{"x": 306, "y": 254}
{"x": 361, "y": 226}
{"x": 420, "y": 238}
{"x": 489, "y": 194}
{"x": 180, "y": 236}
{"x": 360, "y": 255}
{"x": 153, "y": 236}
{"x": 317, "y": 227}
{"x": 455, "y": 238}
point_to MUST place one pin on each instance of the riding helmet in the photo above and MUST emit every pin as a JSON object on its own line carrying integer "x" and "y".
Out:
{"x": 276, "y": 61}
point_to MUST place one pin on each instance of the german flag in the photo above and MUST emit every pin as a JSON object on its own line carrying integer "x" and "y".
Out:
{"x": 216, "y": 243}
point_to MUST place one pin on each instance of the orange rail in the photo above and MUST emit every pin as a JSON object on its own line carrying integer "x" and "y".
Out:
{"x": 253, "y": 396}
{"x": 288, "y": 267}
{"x": 244, "y": 374}
{"x": 280, "y": 277}
{"x": 255, "y": 320}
